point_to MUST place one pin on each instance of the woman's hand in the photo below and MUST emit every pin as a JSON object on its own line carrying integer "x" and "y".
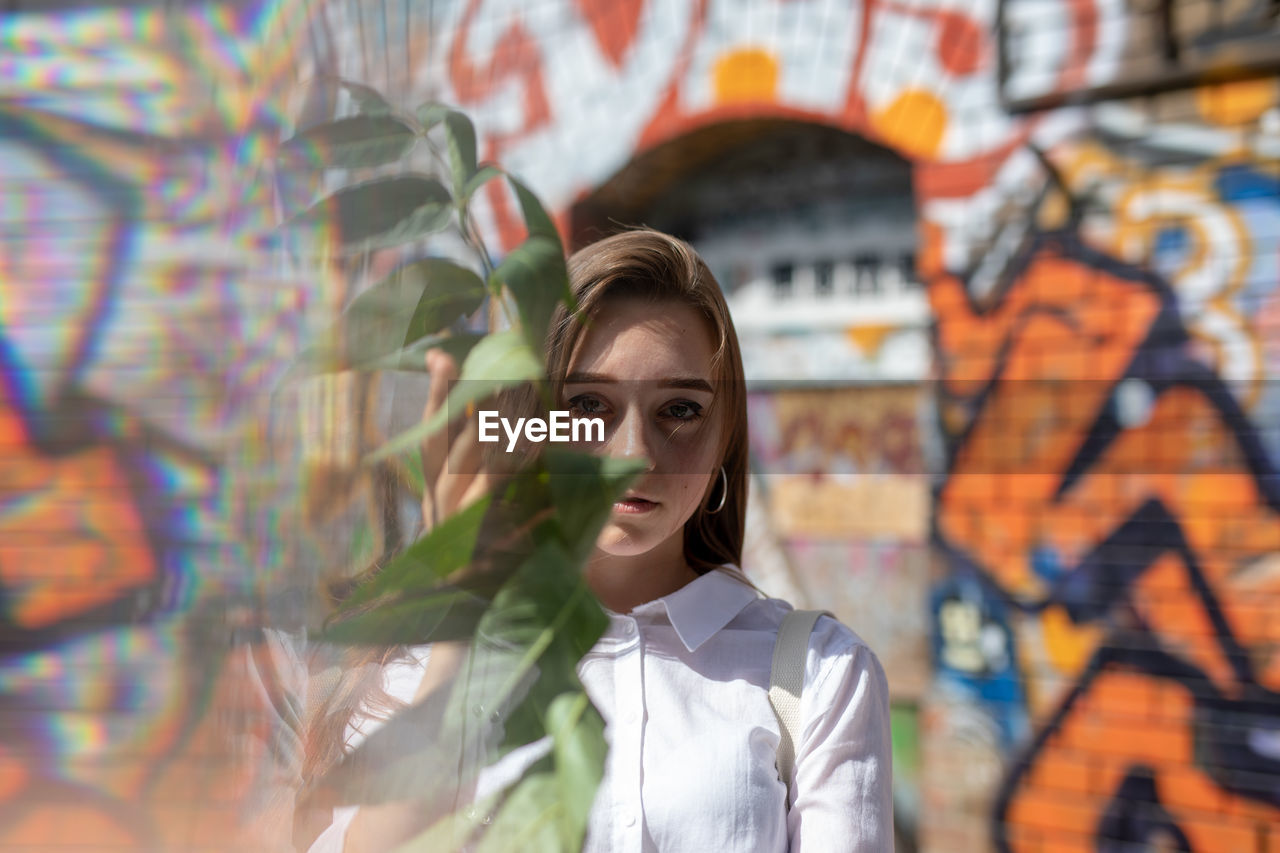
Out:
{"x": 455, "y": 476}
{"x": 452, "y": 465}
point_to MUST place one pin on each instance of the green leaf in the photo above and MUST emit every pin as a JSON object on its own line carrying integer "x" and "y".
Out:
{"x": 583, "y": 489}
{"x": 535, "y": 273}
{"x": 537, "y": 626}
{"x": 501, "y": 360}
{"x": 430, "y": 114}
{"x": 416, "y": 478}
{"x": 529, "y": 819}
{"x": 577, "y": 732}
{"x": 482, "y": 176}
{"x": 327, "y": 357}
{"x": 428, "y": 561}
{"x": 348, "y": 143}
{"x": 449, "y": 613}
{"x": 461, "y": 137}
{"x": 398, "y": 311}
{"x": 535, "y": 215}
{"x": 544, "y": 602}
{"x": 542, "y": 621}
{"x": 368, "y": 101}
{"x": 382, "y": 212}
{"x": 520, "y": 674}
{"x": 448, "y": 291}
{"x": 502, "y": 357}
{"x": 451, "y": 831}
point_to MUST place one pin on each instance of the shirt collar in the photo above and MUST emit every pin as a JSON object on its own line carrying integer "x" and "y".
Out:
{"x": 703, "y": 606}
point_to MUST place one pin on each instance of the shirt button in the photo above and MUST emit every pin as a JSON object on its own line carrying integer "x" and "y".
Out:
{"x": 628, "y": 627}
{"x": 629, "y": 819}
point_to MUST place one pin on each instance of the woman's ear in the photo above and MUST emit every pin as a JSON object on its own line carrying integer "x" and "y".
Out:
{"x": 717, "y": 492}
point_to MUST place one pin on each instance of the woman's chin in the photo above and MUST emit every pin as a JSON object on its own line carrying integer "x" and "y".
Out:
{"x": 617, "y": 542}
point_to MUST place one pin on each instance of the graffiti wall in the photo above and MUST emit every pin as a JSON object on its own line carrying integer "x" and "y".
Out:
{"x": 595, "y": 82}
{"x": 1103, "y": 283}
{"x": 841, "y": 473}
{"x": 843, "y": 462}
{"x": 1110, "y": 497}
{"x": 1095, "y": 555}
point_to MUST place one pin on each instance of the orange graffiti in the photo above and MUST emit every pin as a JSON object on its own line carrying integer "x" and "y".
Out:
{"x": 913, "y": 123}
{"x": 71, "y": 538}
{"x": 1151, "y": 494}
{"x": 1237, "y": 102}
{"x": 749, "y": 74}
{"x": 1124, "y": 721}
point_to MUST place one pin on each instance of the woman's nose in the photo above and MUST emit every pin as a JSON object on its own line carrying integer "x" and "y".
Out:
{"x": 630, "y": 439}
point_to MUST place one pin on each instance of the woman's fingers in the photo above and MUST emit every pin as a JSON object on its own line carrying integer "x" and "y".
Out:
{"x": 442, "y": 369}
{"x": 453, "y": 464}
{"x": 463, "y": 478}
{"x": 435, "y": 448}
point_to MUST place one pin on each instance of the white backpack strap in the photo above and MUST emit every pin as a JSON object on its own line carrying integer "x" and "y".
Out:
{"x": 786, "y": 682}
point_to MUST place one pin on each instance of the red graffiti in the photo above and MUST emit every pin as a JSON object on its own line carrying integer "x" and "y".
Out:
{"x": 614, "y": 23}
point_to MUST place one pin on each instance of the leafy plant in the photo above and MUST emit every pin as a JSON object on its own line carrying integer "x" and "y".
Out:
{"x": 504, "y": 574}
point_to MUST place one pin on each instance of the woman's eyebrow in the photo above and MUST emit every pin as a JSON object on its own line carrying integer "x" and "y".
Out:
{"x": 588, "y": 379}
{"x": 692, "y": 383}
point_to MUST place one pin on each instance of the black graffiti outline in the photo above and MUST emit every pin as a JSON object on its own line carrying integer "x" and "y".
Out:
{"x": 1160, "y": 360}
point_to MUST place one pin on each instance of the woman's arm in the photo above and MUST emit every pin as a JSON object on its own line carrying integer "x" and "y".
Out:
{"x": 843, "y": 782}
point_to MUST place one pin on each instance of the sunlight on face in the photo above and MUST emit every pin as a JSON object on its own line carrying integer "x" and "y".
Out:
{"x": 645, "y": 369}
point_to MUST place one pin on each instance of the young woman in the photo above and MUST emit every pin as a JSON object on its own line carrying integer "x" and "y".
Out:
{"x": 682, "y": 674}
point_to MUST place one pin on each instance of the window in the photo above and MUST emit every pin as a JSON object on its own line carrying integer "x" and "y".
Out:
{"x": 907, "y": 267}
{"x": 866, "y": 279}
{"x": 782, "y": 280}
{"x": 823, "y": 278}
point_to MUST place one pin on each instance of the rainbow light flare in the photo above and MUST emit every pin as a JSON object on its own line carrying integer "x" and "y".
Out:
{"x": 145, "y": 316}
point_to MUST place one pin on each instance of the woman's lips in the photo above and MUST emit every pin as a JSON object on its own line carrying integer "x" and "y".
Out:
{"x": 634, "y": 505}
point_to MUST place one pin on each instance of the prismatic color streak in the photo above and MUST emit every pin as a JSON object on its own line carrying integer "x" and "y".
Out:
{"x": 140, "y": 325}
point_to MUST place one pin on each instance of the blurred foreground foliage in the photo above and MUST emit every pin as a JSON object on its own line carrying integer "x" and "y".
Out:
{"x": 503, "y": 575}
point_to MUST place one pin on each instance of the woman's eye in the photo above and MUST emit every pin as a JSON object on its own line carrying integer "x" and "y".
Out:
{"x": 684, "y": 411}
{"x": 584, "y": 404}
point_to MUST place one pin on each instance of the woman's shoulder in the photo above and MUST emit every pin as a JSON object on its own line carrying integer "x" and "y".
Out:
{"x": 763, "y": 612}
{"x": 766, "y": 613}
{"x": 835, "y": 651}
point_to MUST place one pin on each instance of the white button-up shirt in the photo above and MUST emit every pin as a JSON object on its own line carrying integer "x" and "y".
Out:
{"x": 682, "y": 683}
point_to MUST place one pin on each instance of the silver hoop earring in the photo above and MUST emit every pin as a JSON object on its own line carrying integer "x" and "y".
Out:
{"x": 724, "y": 493}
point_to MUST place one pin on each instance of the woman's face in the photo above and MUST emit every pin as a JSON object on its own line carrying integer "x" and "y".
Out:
{"x": 644, "y": 368}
